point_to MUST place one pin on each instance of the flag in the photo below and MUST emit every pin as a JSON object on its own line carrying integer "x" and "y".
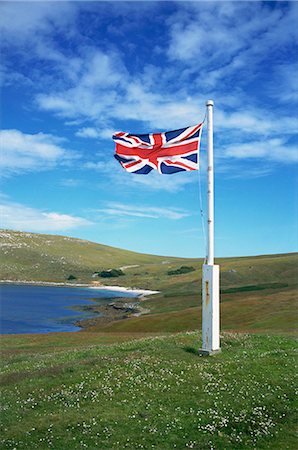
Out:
{"x": 168, "y": 152}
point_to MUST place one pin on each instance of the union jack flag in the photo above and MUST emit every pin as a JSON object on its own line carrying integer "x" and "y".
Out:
{"x": 168, "y": 152}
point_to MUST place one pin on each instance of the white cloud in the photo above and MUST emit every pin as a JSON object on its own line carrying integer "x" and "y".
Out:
{"x": 153, "y": 181}
{"x": 133, "y": 101}
{"x": 108, "y": 166}
{"x": 284, "y": 84}
{"x": 87, "y": 132}
{"x": 22, "y": 152}
{"x": 248, "y": 172}
{"x": 224, "y": 33}
{"x": 94, "y": 89}
{"x": 101, "y": 88}
{"x": 27, "y": 29}
{"x": 271, "y": 149}
{"x": 227, "y": 47}
{"x": 106, "y": 133}
{"x": 98, "y": 86}
{"x": 158, "y": 182}
{"x": 254, "y": 121}
{"x": 133, "y": 98}
{"x": 20, "y": 21}
{"x": 120, "y": 209}
{"x": 23, "y": 218}
{"x": 12, "y": 78}
{"x": 95, "y": 133}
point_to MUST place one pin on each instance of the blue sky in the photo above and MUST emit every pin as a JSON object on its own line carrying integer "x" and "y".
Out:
{"x": 75, "y": 72}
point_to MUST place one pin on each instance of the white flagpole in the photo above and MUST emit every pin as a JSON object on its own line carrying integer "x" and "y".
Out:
{"x": 210, "y": 272}
{"x": 210, "y": 183}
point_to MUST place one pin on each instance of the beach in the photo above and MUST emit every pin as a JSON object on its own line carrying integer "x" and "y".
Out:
{"x": 130, "y": 290}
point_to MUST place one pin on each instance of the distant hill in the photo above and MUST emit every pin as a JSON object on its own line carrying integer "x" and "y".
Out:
{"x": 257, "y": 293}
{"x": 40, "y": 257}
{"x": 50, "y": 258}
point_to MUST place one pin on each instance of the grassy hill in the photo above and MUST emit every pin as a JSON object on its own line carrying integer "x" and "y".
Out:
{"x": 41, "y": 257}
{"x": 139, "y": 383}
{"x": 257, "y": 293}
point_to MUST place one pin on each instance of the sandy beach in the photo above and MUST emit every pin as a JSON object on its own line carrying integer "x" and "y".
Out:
{"x": 140, "y": 292}
{"x": 129, "y": 290}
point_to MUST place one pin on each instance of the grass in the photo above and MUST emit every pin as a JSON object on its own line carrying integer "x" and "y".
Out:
{"x": 152, "y": 393}
{"x": 40, "y": 257}
{"x": 257, "y": 292}
{"x": 139, "y": 383}
{"x": 271, "y": 311}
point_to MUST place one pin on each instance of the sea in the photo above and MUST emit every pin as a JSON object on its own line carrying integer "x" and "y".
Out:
{"x": 46, "y": 309}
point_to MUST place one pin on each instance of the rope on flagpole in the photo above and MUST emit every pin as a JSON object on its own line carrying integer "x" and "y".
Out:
{"x": 201, "y": 206}
{"x": 205, "y": 117}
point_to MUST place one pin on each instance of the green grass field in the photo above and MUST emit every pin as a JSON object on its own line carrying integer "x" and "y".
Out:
{"x": 139, "y": 382}
{"x": 152, "y": 393}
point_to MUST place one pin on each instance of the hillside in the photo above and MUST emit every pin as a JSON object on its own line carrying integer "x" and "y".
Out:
{"x": 41, "y": 257}
{"x": 138, "y": 382}
{"x": 257, "y": 293}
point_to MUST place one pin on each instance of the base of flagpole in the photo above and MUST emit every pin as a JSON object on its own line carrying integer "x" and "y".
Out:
{"x": 202, "y": 352}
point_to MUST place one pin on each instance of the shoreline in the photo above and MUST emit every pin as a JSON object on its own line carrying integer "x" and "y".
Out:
{"x": 120, "y": 308}
{"x": 103, "y": 287}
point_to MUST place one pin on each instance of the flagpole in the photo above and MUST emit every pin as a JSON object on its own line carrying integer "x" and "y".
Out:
{"x": 210, "y": 183}
{"x": 210, "y": 271}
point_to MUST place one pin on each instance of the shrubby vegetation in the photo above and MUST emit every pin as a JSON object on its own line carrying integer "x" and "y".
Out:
{"x": 111, "y": 273}
{"x": 71, "y": 277}
{"x": 182, "y": 269}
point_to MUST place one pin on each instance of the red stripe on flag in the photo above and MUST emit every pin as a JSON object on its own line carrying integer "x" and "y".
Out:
{"x": 193, "y": 131}
{"x": 157, "y": 140}
{"x": 127, "y": 166}
{"x": 174, "y": 150}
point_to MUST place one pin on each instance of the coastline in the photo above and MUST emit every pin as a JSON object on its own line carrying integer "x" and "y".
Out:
{"x": 129, "y": 290}
{"x": 120, "y": 308}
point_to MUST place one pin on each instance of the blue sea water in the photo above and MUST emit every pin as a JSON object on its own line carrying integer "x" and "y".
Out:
{"x": 45, "y": 309}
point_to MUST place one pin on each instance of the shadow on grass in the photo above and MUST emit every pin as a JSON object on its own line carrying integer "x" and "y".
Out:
{"x": 189, "y": 349}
